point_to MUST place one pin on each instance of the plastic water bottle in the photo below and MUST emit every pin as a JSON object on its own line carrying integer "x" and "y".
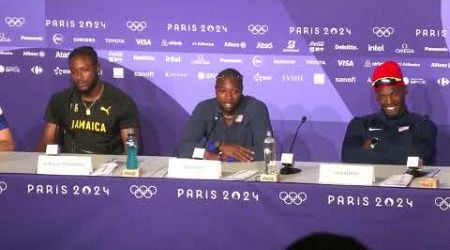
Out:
{"x": 132, "y": 149}
{"x": 270, "y": 154}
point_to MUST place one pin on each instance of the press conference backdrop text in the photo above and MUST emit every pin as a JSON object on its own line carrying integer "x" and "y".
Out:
{"x": 303, "y": 58}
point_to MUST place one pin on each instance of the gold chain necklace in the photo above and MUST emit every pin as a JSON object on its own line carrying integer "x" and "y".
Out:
{"x": 88, "y": 108}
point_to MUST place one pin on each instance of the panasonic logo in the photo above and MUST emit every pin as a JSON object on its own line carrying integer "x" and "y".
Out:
{"x": 230, "y": 60}
{"x": 433, "y": 49}
{"x": 32, "y": 38}
{"x": 440, "y": 65}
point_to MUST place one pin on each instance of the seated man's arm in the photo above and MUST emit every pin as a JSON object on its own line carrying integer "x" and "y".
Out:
{"x": 356, "y": 149}
{"x": 48, "y": 136}
{"x": 260, "y": 124}
{"x": 194, "y": 133}
{"x": 6, "y": 140}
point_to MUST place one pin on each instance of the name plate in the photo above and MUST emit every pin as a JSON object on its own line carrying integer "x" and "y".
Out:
{"x": 346, "y": 174}
{"x": 194, "y": 169}
{"x": 64, "y": 165}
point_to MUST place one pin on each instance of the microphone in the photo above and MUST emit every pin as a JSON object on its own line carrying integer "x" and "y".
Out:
{"x": 213, "y": 127}
{"x": 287, "y": 159}
{"x": 200, "y": 152}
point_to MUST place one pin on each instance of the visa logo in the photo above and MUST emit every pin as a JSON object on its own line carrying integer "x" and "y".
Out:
{"x": 345, "y": 63}
{"x": 143, "y": 42}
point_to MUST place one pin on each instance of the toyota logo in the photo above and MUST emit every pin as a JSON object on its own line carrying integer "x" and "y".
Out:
{"x": 258, "y": 29}
{"x": 383, "y": 31}
{"x": 136, "y": 25}
{"x": 442, "y": 203}
{"x": 15, "y": 22}
{"x": 143, "y": 191}
{"x": 292, "y": 197}
{"x": 3, "y": 186}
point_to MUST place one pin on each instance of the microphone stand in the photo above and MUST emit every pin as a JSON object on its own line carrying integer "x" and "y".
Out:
{"x": 288, "y": 168}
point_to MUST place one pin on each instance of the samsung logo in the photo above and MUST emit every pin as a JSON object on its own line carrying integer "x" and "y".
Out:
{"x": 84, "y": 39}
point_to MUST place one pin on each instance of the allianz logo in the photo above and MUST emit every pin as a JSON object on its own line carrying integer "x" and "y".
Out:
{"x": 173, "y": 59}
{"x": 262, "y": 45}
{"x": 143, "y": 42}
{"x": 345, "y": 79}
{"x": 440, "y": 65}
{"x": 345, "y": 63}
{"x": 375, "y": 47}
{"x": 238, "y": 45}
{"x": 40, "y": 54}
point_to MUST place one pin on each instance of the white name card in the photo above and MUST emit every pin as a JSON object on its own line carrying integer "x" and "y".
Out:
{"x": 194, "y": 169}
{"x": 198, "y": 153}
{"x": 64, "y": 165}
{"x": 346, "y": 174}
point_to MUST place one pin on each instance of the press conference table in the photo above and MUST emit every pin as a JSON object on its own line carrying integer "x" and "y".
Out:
{"x": 154, "y": 212}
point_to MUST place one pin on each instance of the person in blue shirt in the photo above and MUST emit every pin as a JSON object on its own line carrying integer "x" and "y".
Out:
{"x": 394, "y": 133}
{"x": 6, "y": 138}
{"x": 231, "y": 126}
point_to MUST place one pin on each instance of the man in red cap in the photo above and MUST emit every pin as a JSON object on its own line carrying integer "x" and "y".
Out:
{"x": 389, "y": 136}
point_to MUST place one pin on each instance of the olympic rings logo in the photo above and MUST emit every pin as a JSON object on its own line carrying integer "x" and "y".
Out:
{"x": 15, "y": 22}
{"x": 383, "y": 31}
{"x": 293, "y": 197}
{"x": 442, "y": 203}
{"x": 143, "y": 191}
{"x": 258, "y": 29}
{"x": 3, "y": 186}
{"x": 136, "y": 25}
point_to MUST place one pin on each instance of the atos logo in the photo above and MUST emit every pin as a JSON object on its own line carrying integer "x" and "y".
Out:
{"x": 383, "y": 31}
{"x": 37, "y": 70}
{"x": 261, "y": 45}
{"x": 136, "y": 25}
{"x": 443, "y": 81}
{"x": 258, "y": 29}
{"x": 14, "y": 22}
{"x": 58, "y": 38}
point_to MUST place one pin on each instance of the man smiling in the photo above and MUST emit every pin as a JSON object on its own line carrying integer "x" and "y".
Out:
{"x": 390, "y": 136}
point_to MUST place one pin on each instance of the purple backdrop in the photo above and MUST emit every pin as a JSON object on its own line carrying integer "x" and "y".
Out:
{"x": 300, "y": 57}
